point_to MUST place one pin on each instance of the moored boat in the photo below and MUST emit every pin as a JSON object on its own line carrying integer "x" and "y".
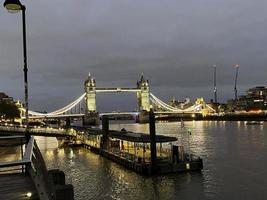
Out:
{"x": 254, "y": 123}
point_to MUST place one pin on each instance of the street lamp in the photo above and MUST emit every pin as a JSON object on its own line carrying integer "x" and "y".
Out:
{"x": 14, "y": 6}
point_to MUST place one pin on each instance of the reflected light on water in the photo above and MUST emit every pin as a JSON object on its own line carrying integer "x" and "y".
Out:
{"x": 230, "y": 151}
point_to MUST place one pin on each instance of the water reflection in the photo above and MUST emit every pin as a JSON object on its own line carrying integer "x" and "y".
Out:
{"x": 230, "y": 150}
{"x": 8, "y": 154}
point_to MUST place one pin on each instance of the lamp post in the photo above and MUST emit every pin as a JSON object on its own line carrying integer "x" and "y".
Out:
{"x": 14, "y": 6}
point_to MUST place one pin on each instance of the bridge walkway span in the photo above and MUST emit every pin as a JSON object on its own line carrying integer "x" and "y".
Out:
{"x": 47, "y": 132}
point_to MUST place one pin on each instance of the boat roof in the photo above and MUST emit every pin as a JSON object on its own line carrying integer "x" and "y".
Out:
{"x": 139, "y": 137}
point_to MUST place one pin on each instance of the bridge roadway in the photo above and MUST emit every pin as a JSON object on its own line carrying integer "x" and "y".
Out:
{"x": 55, "y": 116}
{"x": 80, "y": 115}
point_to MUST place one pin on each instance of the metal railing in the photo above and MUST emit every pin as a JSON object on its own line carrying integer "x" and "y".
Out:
{"x": 33, "y": 164}
{"x": 26, "y": 157}
{"x": 45, "y": 131}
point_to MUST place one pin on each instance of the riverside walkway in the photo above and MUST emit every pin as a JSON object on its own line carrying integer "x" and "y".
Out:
{"x": 39, "y": 131}
{"x": 17, "y": 186}
{"x": 28, "y": 177}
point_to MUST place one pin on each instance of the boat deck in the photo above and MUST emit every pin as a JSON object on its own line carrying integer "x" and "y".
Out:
{"x": 162, "y": 166}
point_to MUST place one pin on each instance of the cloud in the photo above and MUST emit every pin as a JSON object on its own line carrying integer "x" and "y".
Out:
{"x": 174, "y": 43}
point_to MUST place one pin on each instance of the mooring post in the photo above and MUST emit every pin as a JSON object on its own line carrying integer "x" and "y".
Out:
{"x": 105, "y": 129}
{"x": 68, "y": 122}
{"x": 152, "y": 130}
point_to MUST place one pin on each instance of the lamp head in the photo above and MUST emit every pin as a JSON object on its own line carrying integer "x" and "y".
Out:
{"x": 13, "y": 6}
{"x": 237, "y": 65}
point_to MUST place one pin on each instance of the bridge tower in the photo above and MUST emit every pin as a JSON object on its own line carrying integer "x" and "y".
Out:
{"x": 90, "y": 97}
{"x": 143, "y": 95}
{"x": 143, "y": 99}
{"x": 91, "y": 116}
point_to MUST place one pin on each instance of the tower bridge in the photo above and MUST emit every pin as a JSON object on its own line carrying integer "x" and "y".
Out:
{"x": 85, "y": 106}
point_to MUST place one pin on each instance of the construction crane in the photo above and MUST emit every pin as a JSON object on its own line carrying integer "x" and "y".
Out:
{"x": 214, "y": 82}
{"x": 236, "y": 74}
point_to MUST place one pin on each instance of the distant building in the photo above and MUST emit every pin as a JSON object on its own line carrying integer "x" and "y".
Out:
{"x": 6, "y": 98}
{"x": 181, "y": 104}
{"x": 9, "y": 110}
{"x": 254, "y": 99}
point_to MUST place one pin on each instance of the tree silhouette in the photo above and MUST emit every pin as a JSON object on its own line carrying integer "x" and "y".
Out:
{"x": 9, "y": 110}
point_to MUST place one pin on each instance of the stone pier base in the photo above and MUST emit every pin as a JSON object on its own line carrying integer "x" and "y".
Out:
{"x": 143, "y": 117}
{"x": 91, "y": 119}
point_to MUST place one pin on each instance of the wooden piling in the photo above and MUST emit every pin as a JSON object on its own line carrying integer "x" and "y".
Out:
{"x": 152, "y": 130}
{"x": 105, "y": 129}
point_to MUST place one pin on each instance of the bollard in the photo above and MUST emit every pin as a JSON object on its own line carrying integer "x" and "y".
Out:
{"x": 68, "y": 122}
{"x": 105, "y": 124}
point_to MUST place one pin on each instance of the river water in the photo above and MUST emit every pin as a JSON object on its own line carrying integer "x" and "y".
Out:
{"x": 234, "y": 155}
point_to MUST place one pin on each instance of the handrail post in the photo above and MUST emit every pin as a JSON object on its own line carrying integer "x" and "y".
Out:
{"x": 21, "y": 150}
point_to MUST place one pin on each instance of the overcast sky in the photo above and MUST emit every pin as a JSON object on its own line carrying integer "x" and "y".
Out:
{"x": 174, "y": 43}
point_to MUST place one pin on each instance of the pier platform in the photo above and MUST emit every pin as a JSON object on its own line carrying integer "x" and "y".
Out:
{"x": 145, "y": 168}
{"x": 133, "y": 151}
{"x": 143, "y": 153}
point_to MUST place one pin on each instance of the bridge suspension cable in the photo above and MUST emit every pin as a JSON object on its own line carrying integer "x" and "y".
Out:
{"x": 157, "y": 101}
{"x": 209, "y": 107}
{"x": 62, "y": 110}
{"x": 68, "y": 107}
